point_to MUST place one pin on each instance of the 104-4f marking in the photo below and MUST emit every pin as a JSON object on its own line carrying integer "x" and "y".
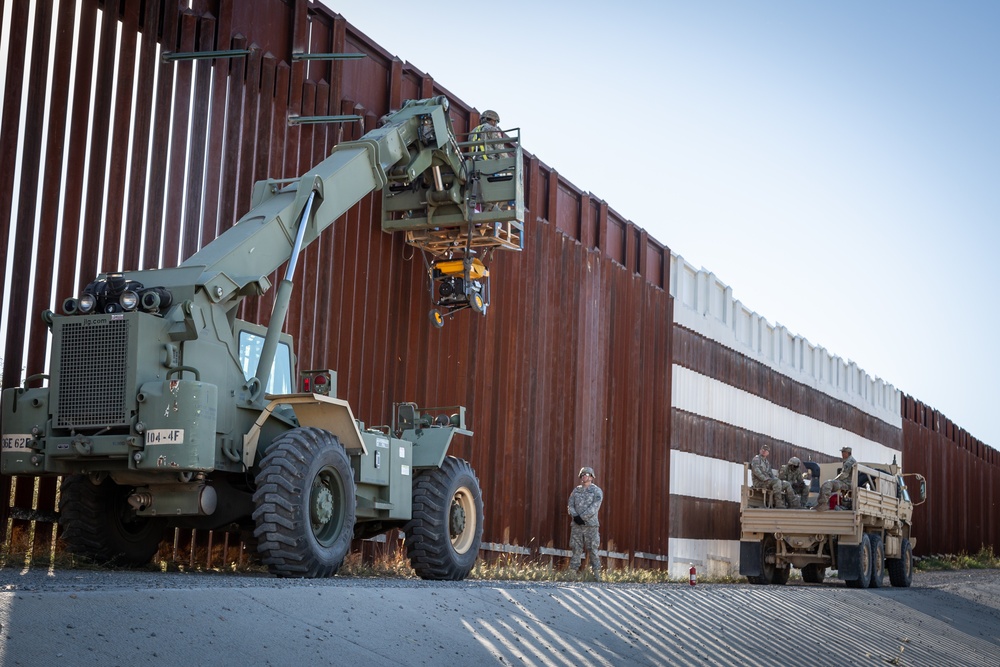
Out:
{"x": 165, "y": 436}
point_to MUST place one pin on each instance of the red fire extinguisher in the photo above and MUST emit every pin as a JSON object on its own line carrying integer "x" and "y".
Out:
{"x": 694, "y": 575}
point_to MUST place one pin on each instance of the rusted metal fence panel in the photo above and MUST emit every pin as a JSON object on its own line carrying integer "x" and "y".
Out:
{"x": 962, "y": 512}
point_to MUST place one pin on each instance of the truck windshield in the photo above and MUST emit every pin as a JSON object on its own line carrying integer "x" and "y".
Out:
{"x": 280, "y": 379}
{"x": 903, "y": 492}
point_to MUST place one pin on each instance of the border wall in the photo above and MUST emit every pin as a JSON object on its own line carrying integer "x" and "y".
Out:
{"x": 740, "y": 382}
{"x": 601, "y": 348}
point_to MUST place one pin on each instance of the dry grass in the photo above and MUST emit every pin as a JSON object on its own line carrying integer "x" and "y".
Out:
{"x": 393, "y": 565}
{"x": 985, "y": 559}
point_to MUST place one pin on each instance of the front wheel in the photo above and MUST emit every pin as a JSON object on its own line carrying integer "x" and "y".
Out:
{"x": 304, "y": 504}
{"x": 443, "y": 537}
{"x": 901, "y": 569}
{"x": 99, "y": 524}
{"x": 814, "y": 573}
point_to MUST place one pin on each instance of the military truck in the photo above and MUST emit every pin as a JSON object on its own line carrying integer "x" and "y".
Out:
{"x": 162, "y": 408}
{"x": 865, "y": 534}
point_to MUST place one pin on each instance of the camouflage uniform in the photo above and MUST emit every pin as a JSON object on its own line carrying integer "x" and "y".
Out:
{"x": 841, "y": 482}
{"x": 793, "y": 475}
{"x": 764, "y": 478}
{"x": 487, "y": 132}
{"x": 584, "y": 502}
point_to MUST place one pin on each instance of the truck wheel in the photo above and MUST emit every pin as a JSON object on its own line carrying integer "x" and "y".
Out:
{"x": 814, "y": 573}
{"x": 99, "y": 524}
{"x": 305, "y": 504}
{"x": 878, "y": 561}
{"x": 443, "y": 537}
{"x": 901, "y": 569}
{"x": 865, "y": 566}
{"x": 770, "y": 573}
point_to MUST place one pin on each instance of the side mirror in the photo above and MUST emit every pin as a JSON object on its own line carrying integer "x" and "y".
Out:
{"x": 921, "y": 487}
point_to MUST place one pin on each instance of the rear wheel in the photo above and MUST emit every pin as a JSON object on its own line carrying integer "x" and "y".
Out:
{"x": 305, "y": 504}
{"x": 770, "y": 573}
{"x": 901, "y": 569}
{"x": 865, "y": 565}
{"x": 99, "y": 524}
{"x": 443, "y": 537}
{"x": 814, "y": 573}
{"x": 878, "y": 561}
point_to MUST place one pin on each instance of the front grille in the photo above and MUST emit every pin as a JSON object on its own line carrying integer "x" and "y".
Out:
{"x": 92, "y": 377}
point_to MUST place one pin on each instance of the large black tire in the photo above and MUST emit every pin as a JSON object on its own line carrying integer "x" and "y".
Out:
{"x": 99, "y": 524}
{"x": 304, "y": 504}
{"x": 443, "y": 537}
{"x": 901, "y": 569}
{"x": 865, "y": 555}
{"x": 814, "y": 573}
{"x": 878, "y": 561}
{"x": 769, "y": 572}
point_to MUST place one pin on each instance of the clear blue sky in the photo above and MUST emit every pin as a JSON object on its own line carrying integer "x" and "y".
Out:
{"x": 836, "y": 163}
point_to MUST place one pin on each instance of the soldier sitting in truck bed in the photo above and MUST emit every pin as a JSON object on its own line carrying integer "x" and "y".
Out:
{"x": 765, "y": 478}
{"x": 791, "y": 472}
{"x": 842, "y": 482}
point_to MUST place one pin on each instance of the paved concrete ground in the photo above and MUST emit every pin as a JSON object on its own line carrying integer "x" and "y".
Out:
{"x": 149, "y": 619}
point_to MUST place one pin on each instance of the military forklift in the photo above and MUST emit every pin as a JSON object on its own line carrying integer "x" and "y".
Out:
{"x": 161, "y": 408}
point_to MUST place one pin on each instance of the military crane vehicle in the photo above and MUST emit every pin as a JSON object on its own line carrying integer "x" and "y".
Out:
{"x": 161, "y": 408}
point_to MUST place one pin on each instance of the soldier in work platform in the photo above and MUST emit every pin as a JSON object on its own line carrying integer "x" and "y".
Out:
{"x": 841, "y": 482}
{"x": 764, "y": 478}
{"x": 584, "y": 503}
{"x": 791, "y": 472}
{"x": 487, "y": 134}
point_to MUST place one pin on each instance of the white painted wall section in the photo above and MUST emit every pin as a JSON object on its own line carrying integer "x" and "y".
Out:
{"x": 710, "y": 398}
{"x": 713, "y": 558}
{"x": 705, "y": 304}
{"x": 703, "y": 477}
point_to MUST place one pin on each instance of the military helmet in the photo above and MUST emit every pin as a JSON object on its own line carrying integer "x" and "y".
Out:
{"x": 490, "y": 116}
{"x": 794, "y": 462}
{"x": 587, "y": 471}
{"x": 846, "y": 449}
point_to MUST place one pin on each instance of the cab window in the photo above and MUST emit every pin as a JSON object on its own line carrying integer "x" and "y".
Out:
{"x": 280, "y": 379}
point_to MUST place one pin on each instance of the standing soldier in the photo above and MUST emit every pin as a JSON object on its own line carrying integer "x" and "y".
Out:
{"x": 764, "y": 478}
{"x": 791, "y": 472}
{"x": 584, "y": 535}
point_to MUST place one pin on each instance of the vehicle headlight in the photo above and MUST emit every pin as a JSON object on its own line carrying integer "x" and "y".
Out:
{"x": 129, "y": 300}
{"x": 86, "y": 303}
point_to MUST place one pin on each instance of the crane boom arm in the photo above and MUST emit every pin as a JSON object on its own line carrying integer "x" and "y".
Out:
{"x": 410, "y": 142}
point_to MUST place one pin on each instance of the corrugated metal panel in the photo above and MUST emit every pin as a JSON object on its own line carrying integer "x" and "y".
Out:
{"x": 711, "y": 398}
